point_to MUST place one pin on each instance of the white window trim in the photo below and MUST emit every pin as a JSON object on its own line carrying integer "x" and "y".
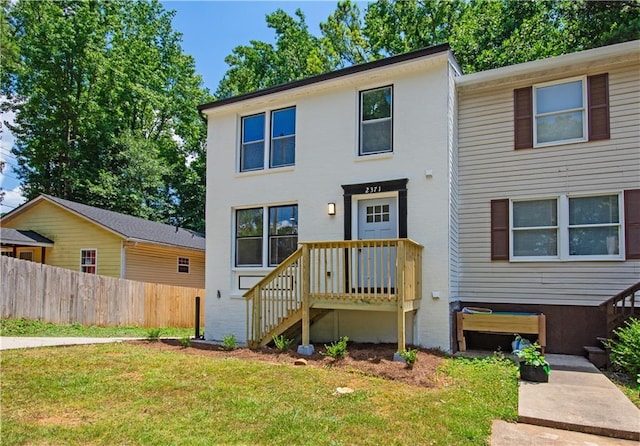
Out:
{"x": 188, "y": 265}
{"x": 584, "y": 109}
{"x": 563, "y": 230}
{"x": 381, "y": 154}
{"x": 264, "y": 267}
{"x": 266, "y": 141}
{"x": 96, "y": 264}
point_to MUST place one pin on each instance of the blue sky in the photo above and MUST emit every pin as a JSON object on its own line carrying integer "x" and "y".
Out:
{"x": 210, "y": 30}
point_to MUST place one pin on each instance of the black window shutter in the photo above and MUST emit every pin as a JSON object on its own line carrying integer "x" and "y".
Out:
{"x": 523, "y": 118}
{"x": 632, "y": 223}
{"x": 598, "y": 98}
{"x": 500, "y": 229}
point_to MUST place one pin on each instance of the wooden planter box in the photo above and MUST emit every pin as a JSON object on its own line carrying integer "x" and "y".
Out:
{"x": 533, "y": 373}
{"x": 505, "y": 323}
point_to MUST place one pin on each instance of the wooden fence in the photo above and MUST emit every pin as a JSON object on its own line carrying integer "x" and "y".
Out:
{"x": 42, "y": 292}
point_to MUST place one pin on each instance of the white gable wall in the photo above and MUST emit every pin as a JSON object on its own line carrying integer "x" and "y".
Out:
{"x": 326, "y": 159}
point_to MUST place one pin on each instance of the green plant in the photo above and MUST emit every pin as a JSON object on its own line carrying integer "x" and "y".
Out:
{"x": 625, "y": 350}
{"x": 282, "y": 343}
{"x": 410, "y": 356}
{"x": 185, "y": 342}
{"x": 153, "y": 334}
{"x": 531, "y": 355}
{"x": 338, "y": 349}
{"x": 229, "y": 342}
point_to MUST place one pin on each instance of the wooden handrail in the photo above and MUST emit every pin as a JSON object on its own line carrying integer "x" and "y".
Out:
{"x": 621, "y": 307}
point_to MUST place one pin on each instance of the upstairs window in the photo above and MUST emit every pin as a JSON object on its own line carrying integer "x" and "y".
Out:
{"x": 278, "y": 149}
{"x": 376, "y": 121}
{"x": 561, "y": 112}
{"x": 252, "y": 151}
{"x": 88, "y": 261}
{"x": 283, "y": 137}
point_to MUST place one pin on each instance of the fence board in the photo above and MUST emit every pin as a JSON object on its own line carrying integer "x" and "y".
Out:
{"x": 42, "y": 292}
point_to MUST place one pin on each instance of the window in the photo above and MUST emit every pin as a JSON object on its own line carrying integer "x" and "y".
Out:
{"x": 563, "y": 228}
{"x": 7, "y": 253}
{"x": 26, "y": 255}
{"x": 88, "y": 261}
{"x": 278, "y": 236}
{"x": 560, "y": 112}
{"x": 376, "y": 122}
{"x": 282, "y": 142}
{"x": 378, "y": 213}
{"x": 252, "y": 152}
{"x": 283, "y": 137}
{"x": 183, "y": 265}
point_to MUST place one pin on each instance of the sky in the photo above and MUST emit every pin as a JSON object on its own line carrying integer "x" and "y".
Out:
{"x": 210, "y": 30}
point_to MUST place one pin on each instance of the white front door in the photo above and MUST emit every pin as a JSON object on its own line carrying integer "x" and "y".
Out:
{"x": 377, "y": 219}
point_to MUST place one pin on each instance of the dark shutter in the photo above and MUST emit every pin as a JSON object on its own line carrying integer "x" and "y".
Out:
{"x": 523, "y": 118}
{"x": 500, "y": 229}
{"x": 632, "y": 223}
{"x": 598, "y": 97}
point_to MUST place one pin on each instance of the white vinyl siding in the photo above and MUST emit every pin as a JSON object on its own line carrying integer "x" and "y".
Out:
{"x": 491, "y": 169}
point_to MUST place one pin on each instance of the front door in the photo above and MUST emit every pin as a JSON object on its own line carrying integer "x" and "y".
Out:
{"x": 377, "y": 219}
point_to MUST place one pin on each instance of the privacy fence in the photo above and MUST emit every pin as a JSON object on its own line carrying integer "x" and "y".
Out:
{"x": 34, "y": 291}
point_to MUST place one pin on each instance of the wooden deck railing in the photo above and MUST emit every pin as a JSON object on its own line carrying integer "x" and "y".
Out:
{"x": 379, "y": 275}
{"x": 621, "y": 307}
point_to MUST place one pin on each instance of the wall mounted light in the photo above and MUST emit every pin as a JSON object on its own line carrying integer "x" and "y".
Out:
{"x": 331, "y": 208}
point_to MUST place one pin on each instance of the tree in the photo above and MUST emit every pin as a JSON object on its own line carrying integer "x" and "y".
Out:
{"x": 106, "y": 107}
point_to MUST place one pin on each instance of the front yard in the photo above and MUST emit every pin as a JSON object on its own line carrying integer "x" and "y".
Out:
{"x": 147, "y": 394}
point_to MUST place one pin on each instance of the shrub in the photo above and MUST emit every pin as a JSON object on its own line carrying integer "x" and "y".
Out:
{"x": 625, "y": 350}
{"x": 154, "y": 334}
{"x": 410, "y": 356}
{"x": 185, "y": 342}
{"x": 229, "y": 342}
{"x": 282, "y": 343}
{"x": 338, "y": 349}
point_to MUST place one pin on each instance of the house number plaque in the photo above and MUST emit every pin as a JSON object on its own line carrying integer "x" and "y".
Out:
{"x": 372, "y": 189}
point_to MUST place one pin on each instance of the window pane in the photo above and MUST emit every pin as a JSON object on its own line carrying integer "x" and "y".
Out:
{"x": 253, "y": 128}
{"x": 249, "y": 222}
{"x": 594, "y": 241}
{"x": 249, "y": 251}
{"x": 593, "y": 210}
{"x": 559, "y": 97}
{"x": 283, "y": 220}
{"x": 284, "y": 122}
{"x": 528, "y": 214}
{"x": 535, "y": 242}
{"x": 376, "y": 104}
{"x": 283, "y": 151}
{"x": 252, "y": 156}
{"x": 559, "y": 127}
{"x": 281, "y": 247}
{"x": 376, "y": 136}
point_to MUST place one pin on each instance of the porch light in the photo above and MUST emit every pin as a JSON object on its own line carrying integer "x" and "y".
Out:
{"x": 331, "y": 208}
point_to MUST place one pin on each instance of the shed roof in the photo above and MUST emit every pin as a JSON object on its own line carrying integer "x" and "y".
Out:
{"x": 19, "y": 237}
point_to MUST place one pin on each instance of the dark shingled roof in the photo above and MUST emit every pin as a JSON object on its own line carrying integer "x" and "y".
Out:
{"x": 9, "y": 236}
{"x": 135, "y": 228}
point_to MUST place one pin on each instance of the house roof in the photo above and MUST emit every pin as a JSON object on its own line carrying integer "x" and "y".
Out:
{"x": 130, "y": 228}
{"x": 19, "y": 237}
{"x": 436, "y": 49}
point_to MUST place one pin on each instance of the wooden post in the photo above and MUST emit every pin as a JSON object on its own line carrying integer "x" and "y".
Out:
{"x": 400, "y": 265}
{"x": 306, "y": 289}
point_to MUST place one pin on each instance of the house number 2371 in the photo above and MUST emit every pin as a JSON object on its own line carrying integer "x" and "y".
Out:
{"x": 372, "y": 189}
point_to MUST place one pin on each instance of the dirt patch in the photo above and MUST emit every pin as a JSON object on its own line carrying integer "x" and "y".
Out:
{"x": 368, "y": 359}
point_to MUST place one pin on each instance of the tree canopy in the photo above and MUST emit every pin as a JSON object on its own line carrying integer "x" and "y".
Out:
{"x": 106, "y": 107}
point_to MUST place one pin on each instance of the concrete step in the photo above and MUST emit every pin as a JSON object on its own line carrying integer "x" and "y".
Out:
{"x": 597, "y": 356}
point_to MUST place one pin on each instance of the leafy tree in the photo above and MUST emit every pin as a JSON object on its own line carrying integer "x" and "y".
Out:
{"x": 106, "y": 107}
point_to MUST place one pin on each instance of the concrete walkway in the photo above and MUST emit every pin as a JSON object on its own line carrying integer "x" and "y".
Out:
{"x": 9, "y": 343}
{"x": 578, "y": 406}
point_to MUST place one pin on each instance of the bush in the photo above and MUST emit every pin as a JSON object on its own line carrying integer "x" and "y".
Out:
{"x": 282, "y": 343}
{"x": 410, "y": 356}
{"x": 153, "y": 334}
{"x": 338, "y": 349}
{"x": 625, "y": 350}
{"x": 229, "y": 342}
{"x": 185, "y": 342}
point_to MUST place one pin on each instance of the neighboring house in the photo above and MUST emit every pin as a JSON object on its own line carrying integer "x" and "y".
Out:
{"x": 359, "y": 202}
{"x": 96, "y": 241}
{"x": 549, "y": 189}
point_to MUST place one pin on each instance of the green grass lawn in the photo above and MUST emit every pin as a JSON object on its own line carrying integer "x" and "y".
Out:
{"x": 24, "y": 327}
{"x": 134, "y": 395}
